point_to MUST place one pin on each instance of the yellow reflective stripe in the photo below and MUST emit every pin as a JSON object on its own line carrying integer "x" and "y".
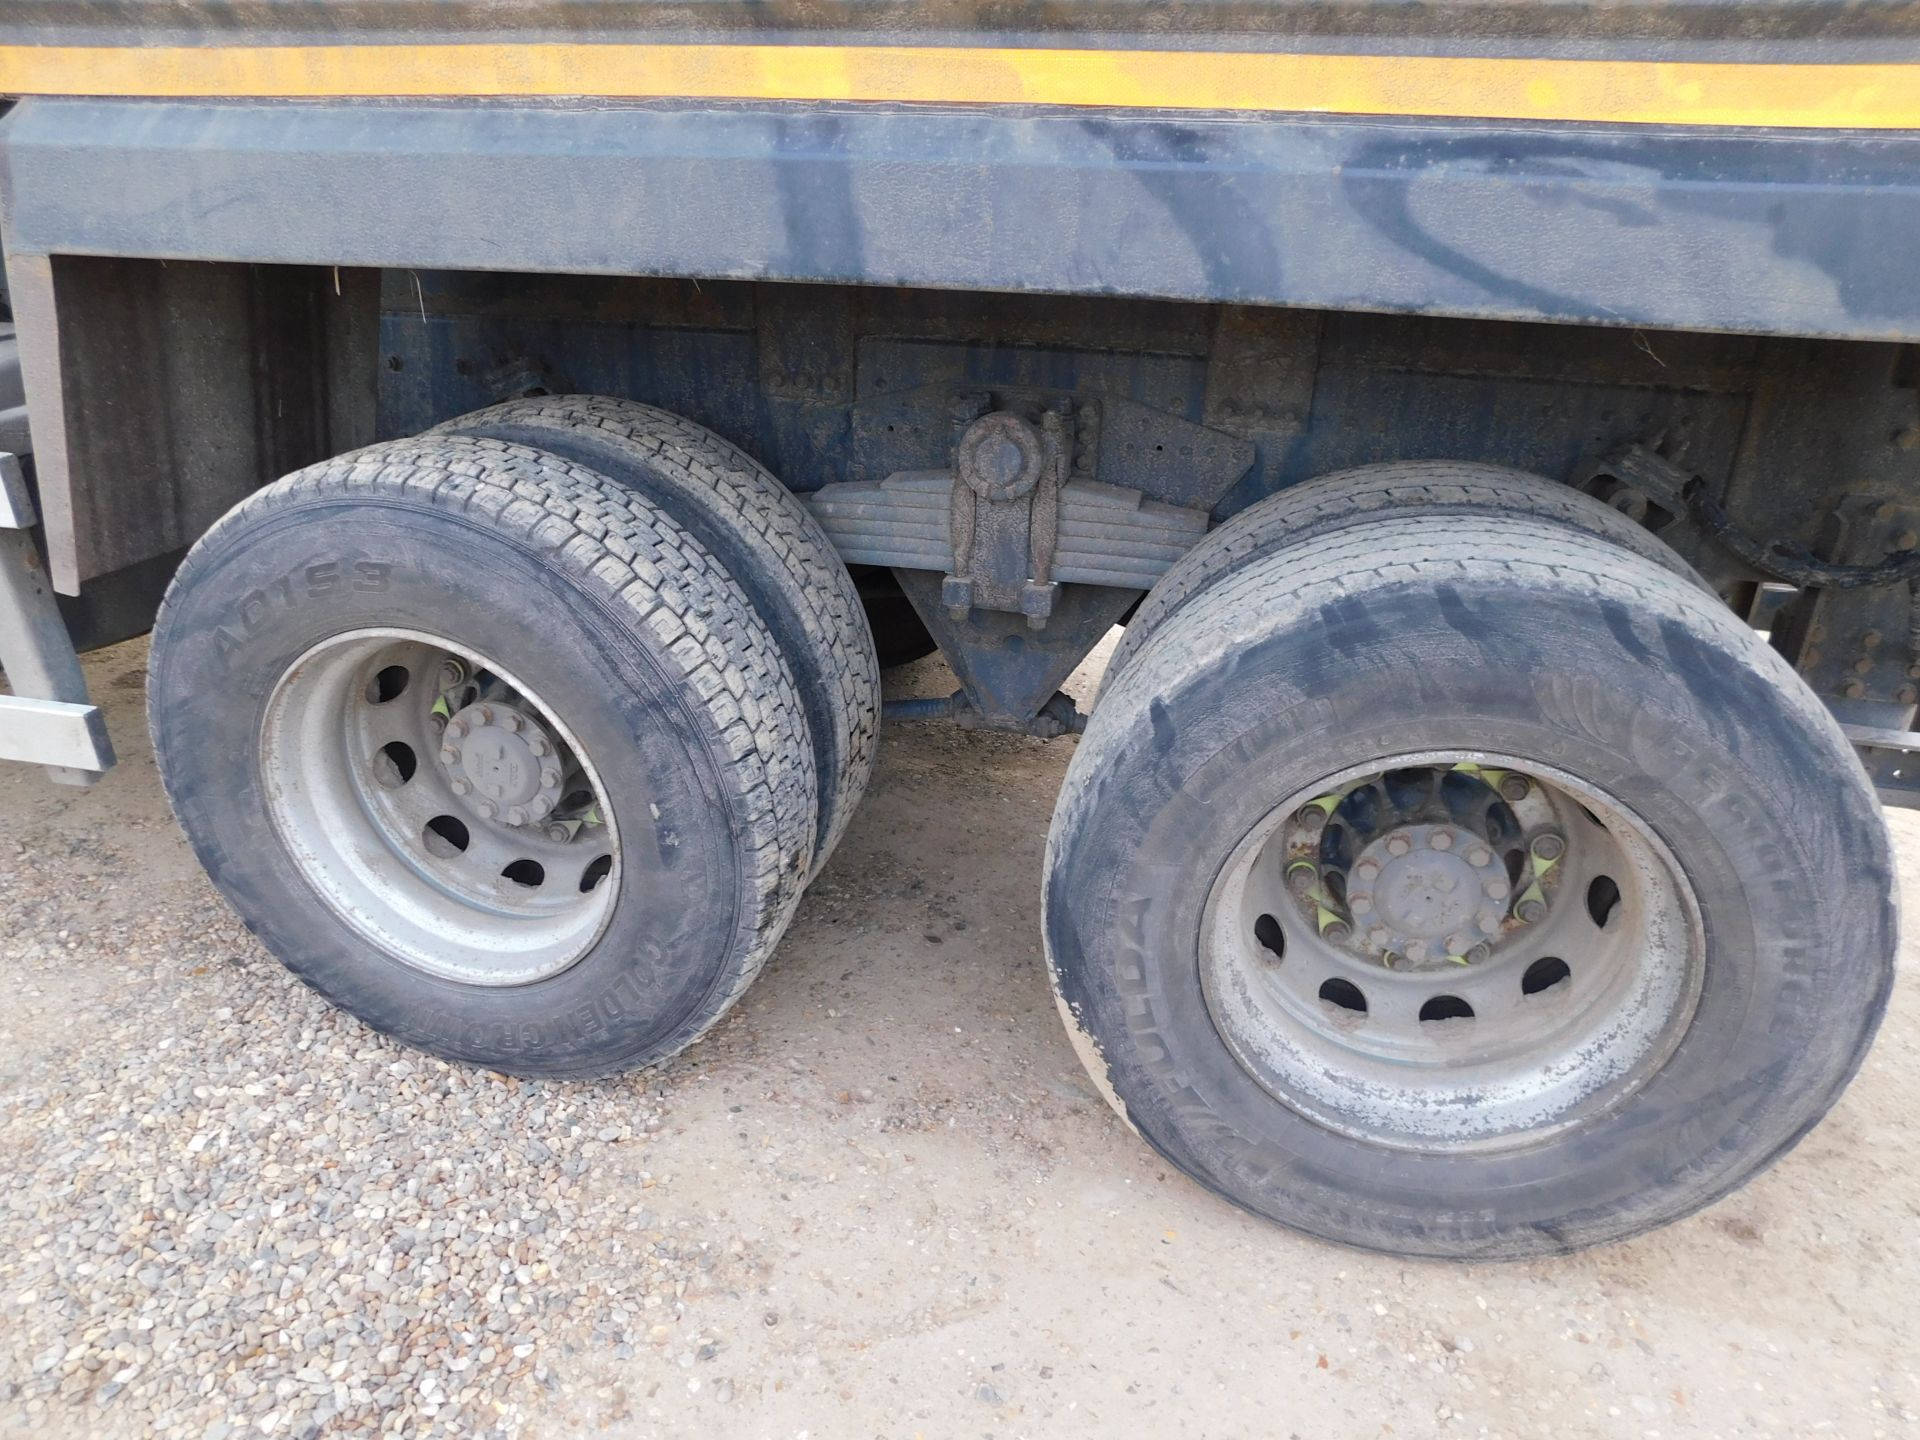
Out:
{"x": 1877, "y": 97}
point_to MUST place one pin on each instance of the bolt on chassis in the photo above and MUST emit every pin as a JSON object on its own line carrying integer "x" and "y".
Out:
{"x": 528, "y": 447}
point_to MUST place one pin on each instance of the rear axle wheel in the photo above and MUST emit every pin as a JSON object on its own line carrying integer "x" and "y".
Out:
{"x": 1466, "y": 885}
{"x": 489, "y": 750}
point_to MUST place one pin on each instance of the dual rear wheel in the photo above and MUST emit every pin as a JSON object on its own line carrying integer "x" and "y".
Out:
{"x": 1451, "y": 881}
{"x": 521, "y": 752}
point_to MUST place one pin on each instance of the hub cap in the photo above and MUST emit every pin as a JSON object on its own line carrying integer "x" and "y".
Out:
{"x": 1453, "y": 952}
{"x": 504, "y": 759}
{"x": 1421, "y": 891}
{"x": 439, "y": 807}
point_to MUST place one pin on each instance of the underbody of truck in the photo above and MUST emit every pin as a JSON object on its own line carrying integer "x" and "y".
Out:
{"x": 1500, "y": 444}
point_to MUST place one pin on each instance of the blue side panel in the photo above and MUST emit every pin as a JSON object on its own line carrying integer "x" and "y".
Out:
{"x": 1791, "y": 233}
{"x": 1537, "y": 424}
{"x": 450, "y": 365}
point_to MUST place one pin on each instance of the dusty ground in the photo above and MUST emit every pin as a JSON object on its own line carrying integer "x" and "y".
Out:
{"x": 880, "y": 1201}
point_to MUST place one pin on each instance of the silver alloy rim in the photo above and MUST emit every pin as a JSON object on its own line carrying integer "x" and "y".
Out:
{"x": 1450, "y": 951}
{"x": 440, "y": 807}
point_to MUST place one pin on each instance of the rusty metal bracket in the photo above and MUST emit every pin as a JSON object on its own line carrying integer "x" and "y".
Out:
{"x": 1005, "y": 514}
{"x": 1635, "y": 475}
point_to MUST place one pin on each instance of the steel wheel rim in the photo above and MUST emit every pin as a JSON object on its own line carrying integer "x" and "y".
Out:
{"x": 377, "y": 787}
{"x": 1546, "y": 1046}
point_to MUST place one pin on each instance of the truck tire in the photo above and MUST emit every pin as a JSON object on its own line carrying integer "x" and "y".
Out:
{"x": 1348, "y": 497}
{"x": 756, "y": 527}
{"x": 489, "y": 751}
{"x": 1467, "y": 886}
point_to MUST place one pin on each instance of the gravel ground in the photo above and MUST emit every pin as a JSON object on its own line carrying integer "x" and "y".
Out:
{"x": 881, "y": 1200}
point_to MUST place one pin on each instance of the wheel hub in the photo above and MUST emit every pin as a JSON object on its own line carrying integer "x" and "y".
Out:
{"x": 1426, "y": 867}
{"x": 1449, "y": 951}
{"x": 502, "y": 756}
{"x": 440, "y": 807}
{"x": 1425, "y": 892}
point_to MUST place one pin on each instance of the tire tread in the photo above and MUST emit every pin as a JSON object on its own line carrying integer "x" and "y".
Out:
{"x": 1424, "y": 488}
{"x": 840, "y": 675}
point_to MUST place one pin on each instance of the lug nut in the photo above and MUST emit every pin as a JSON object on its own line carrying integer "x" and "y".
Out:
{"x": 1338, "y": 931}
{"x": 1548, "y": 847}
{"x": 1314, "y": 818}
{"x": 452, "y": 672}
{"x": 485, "y": 712}
{"x": 1479, "y": 954}
{"x": 537, "y": 744}
{"x": 550, "y": 777}
{"x": 1480, "y": 857}
{"x": 463, "y": 787}
{"x": 456, "y": 727}
{"x": 1379, "y": 936}
{"x": 559, "y": 833}
{"x": 1532, "y": 911}
{"x": 1489, "y": 925}
{"x": 1416, "y": 950}
{"x": 510, "y": 723}
{"x": 448, "y": 755}
{"x": 1359, "y": 904}
{"x": 1397, "y": 845}
{"x": 1497, "y": 889}
{"x": 1301, "y": 875}
{"x": 1456, "y": 944}
{"x": 1440, "y": 840}
{"x": 487, "y": 809}
{"x": 1365, "y": 870}
{"x": 517, "y": 815}
{"x": 1515, "y": 787}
